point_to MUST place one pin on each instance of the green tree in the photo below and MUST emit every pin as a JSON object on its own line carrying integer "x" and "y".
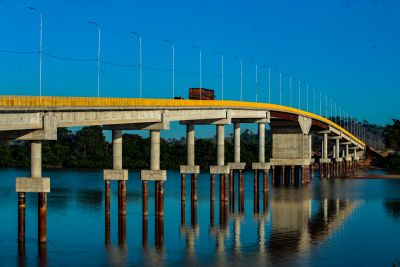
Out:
{"x": 391, "y": 135}
{"x": 91, "y": 149}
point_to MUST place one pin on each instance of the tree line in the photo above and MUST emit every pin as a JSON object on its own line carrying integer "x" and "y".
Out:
{"x": 88, "y": 148}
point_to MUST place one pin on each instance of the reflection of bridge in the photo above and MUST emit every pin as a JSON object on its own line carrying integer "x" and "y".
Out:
{"x": 36, "y": 119}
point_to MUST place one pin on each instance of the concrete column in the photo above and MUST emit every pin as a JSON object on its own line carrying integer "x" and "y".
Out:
{"x": 155, "y": 150}
{"x": 190, "y": 144}
{"x": 42, "y": 212}
{"x": 117, "y": 149}
{"x": 237, "y": 141}
{"x": 261, "y": 142}
{"x": 310, "y": 146}
{"x": 334, "y": 152}
{"x": 36, "y": 159}
{"x": 347, "y": 150}
{"x": 293, "y": 178}
{"x": 325, "y": 147}
{"x": 337, "y": 148}
{"x": 220, "y": 145}
{"x": 283, "y": 175}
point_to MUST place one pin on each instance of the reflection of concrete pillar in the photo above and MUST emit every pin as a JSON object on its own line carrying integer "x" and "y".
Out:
{"x": 237, "y": 141}
{"x": 261, "y": 142}
{"x": 108, "y": 212}
{"x": 21, "y": 217}
{"x": 212, "y": 193}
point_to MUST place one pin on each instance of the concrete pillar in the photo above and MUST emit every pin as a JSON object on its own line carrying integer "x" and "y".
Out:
{"x": 117, "y": 149}
{"x": 347, "y": 150}
{"x": 122, "y": 212}
{"x": 220, "y": 145}
{"x": 283, "y": 175}
{"x": 273, "y": 175}
{"x": 36, "y": 159}
{"x": 190, "y": 144}
{"x": 310, "y": 146}
{"x": 42, "y": 211}
{"x": 155, "y": 150}
{"x": 325, "y": 150}
{"x": 261, "y": 142}
{"x": 337, "y": 148}
{"x": 237, "y": 141}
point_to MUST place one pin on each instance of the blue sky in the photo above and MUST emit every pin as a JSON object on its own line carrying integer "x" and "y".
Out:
{"x": 348, "y": 50}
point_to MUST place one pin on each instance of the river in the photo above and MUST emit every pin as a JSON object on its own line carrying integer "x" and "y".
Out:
{"x": 330, "y": 222}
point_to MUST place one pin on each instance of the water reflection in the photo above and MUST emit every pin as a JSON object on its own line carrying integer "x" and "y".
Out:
{"x": 393, "y": 208}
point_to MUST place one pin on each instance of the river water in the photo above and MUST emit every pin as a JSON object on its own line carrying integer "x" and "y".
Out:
{"x": 336, "y": 222}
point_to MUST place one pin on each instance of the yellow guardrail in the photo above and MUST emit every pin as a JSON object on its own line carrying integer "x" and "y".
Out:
{"x": 73, "y": 102}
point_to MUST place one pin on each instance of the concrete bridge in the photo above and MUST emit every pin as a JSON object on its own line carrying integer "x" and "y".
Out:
{"x": 36, "y": 119}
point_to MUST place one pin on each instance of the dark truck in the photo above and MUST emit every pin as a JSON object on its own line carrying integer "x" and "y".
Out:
{"x": 201, "y": 94}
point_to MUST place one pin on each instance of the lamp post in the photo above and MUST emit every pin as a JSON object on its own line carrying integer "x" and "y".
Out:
{"x": 173, "y": 66}
{"x": 299, "y": 95}
{"x": 98, "y": 55}
{"x": 269, "y": 85}
{"x": 140, "y": 63}
{"x": 307, "y": 97}
{"x": 280, "y": 88}
{"x": 222, "y": 73}
{"x": 241, "y": 77}
{"x": 313, "y": 90}
{"x": 290, "y": 89}
{"x": 40, "y": 48}
{"x": 200, "y": 73}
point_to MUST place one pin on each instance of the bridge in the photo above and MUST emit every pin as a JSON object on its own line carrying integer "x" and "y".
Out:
{"x": 36, "y": 119}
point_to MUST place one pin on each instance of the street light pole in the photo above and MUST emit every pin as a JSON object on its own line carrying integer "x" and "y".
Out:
{"x": 140, "y": 63}
{"x": 313, "y": 90}
{"x": 280, "y": 88}
{"x": 98, "y": 55}
{"x": 241, "y": 77}
{"x": 269, "y": 85}
{"x": 290, "y": 89}
{"x": 299, "y": 95}
{"x": 307, "y": 97}
{"x": 40, "y": 48}
{"x": 222, "y": 73}
{"x": 173, "y": 67}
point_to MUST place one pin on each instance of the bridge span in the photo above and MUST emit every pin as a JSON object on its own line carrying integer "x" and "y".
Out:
{"x": 36, "y": 119}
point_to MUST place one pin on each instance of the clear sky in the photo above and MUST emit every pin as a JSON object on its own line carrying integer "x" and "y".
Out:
{"x": 346, "y": 49}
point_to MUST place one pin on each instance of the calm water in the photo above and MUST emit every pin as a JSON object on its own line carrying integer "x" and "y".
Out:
{"x": 326, "y": 223}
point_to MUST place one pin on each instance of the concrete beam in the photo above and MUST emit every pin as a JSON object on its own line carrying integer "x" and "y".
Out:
{"x": 189, "y": 169}
{"x": 153, "y": 175}
{"x": 32, "y": 185}
{"x": 48, "y": 131}
{"x": 219, "y": 169}
{"x": 237, "y": 165}
{"x": 115, "y": 175}
{"x": 260, "y": 166}
{"x": 20, "y": 121}
{"x": 289, "y": 162}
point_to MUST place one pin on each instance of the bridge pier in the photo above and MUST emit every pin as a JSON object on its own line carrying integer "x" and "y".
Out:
{"x": 36, "y": 184}
{"x": 238, "y": 167}
{"x": 259, "y": 166}
{"x": 158, "y": 176}
{"x": 121, "y": 176}
{"x": 223, "y": 170}
{"x": 291, "y": 150}
{"x": 193, "y": 170}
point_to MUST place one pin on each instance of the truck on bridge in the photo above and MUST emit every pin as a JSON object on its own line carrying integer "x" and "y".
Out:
{"x": 201, "y": 94}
